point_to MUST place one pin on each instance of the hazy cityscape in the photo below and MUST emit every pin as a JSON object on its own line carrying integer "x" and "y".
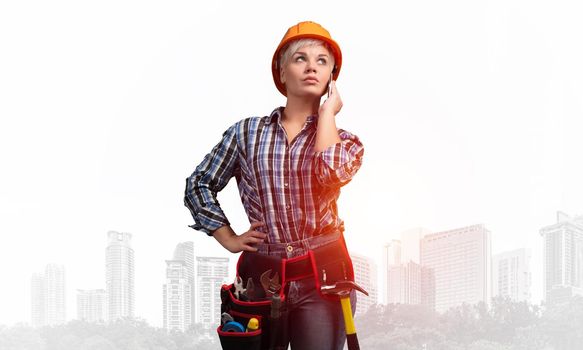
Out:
{"x": 424, "y": 275}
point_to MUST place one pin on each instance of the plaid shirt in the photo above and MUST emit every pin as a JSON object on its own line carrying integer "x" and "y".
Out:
{"x": 290, "y": 187}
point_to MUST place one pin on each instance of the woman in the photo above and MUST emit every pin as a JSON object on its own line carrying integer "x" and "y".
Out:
{"x": 289, "y": 167}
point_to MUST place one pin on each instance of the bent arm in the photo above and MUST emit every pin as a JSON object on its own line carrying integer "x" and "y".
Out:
{"x": 209, "y": 178}
{"x": 336, "y": 165}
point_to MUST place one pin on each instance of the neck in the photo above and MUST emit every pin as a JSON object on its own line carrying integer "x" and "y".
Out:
{"x": 298, "y": 109}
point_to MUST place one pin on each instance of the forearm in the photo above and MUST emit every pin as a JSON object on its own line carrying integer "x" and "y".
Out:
{"x": 327, "y": 132}
{"x": 223, "y": 235}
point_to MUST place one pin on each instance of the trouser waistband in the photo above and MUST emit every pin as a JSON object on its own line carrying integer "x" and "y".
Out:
{"x": 297, "y": 248}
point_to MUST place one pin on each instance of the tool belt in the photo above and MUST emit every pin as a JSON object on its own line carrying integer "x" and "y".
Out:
{"x": 327, "y": 264}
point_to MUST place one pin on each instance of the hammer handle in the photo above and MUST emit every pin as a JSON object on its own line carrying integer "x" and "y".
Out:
{"x": 352, "y": 342}
{"x": 347, "y": 312}
{"x": 351, "y": 339}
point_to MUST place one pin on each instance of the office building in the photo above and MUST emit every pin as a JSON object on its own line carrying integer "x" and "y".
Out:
{"x": 119, "y": 276}
{"x": 177, "y": 297}
{"x": 365, "y": 275}
{"x": 406, "y": 284}
{"x": 410, "y": 243}
{"x": 185, "y": 252}
{"x": 511, "y": 275}
{"x": 563, "y": 258}
{"x": 459, "y": 262}
{"x": 48, "y": 297}
{"x": 91, "y": 305}
{"x": 391, "y": 256}
{"x": 211, "y": 274}
{"x": 37, "y": 300}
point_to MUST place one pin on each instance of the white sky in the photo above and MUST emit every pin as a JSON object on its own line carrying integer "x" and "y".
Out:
{"x": 470, "y": 112}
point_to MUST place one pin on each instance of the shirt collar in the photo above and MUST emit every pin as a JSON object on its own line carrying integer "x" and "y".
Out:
{"x": 275, "y": 116}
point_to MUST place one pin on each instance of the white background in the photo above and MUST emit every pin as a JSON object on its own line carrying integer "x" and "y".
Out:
{"x": 470, "y": 112}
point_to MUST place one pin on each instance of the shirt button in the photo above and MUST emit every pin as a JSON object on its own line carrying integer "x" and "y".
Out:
{"x": 289, "y": 248}
{"x": 285, "y": 184}
{"x": 288, "y": 207}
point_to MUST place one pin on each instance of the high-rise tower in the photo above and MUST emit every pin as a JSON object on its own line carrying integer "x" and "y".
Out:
{"x": 48, "y": 296}
{"x": 563, "y": 258}
{"x": 185, "y": 252}
{"x": 459, "y": 262}
{"x": 511, "y": 275}
{"x": 177, "y": 297}
{"x": 365, "y": 275}
{"x": 119, "y": 275}
{"x": 211, "y": 274}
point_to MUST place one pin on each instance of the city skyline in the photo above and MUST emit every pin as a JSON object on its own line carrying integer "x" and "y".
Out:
{"x": 398, "y": 268}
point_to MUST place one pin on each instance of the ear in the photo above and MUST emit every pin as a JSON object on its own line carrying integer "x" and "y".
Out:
{"x": 282, "y": 75}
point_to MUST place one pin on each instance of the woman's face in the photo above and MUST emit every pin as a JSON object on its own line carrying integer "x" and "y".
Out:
{"x": 307, "y": 72}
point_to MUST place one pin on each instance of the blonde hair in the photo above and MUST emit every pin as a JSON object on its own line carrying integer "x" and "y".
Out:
{"x": 292, "y": 47}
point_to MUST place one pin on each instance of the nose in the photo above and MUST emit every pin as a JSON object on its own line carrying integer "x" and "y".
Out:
{"x": 310, "y": 66}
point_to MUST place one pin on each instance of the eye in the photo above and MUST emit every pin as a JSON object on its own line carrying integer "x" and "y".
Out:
{"x": 322, "y": 61}
{"x": 300, "y": 58}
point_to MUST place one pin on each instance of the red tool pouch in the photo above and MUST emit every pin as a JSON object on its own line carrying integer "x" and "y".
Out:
{"x": 331, "y": 263}
{"x": 242, "y": 312}
{"x": 250, "y": 266}
{"x": 241, "y": 340}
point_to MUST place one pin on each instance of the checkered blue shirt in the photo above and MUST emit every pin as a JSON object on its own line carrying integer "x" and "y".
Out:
{"x": 290, "y": 187}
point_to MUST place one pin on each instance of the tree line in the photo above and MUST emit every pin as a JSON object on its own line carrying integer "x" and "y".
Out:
{"x": 502, "y": 325}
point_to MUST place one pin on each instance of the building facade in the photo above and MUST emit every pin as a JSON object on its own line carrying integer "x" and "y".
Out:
{"x": 391, "y": 256}
{"x": 177, "y": 297}
{"x": 563, "y": 258}
{"x": 511, "y": 277}
{"x": 48, "y": 307}
{"x": 410, "y": 243}
{"x": 459, "y": 266}
{"x": 91, "y": 305}
{"x": 406, "y": 284}
{"x": 211, "y": 274}
{"x": 37, "y": 300}
{"x": 119, "y": 276}
{"x": 185, "y": 252}
{"x": 365, "y": 275}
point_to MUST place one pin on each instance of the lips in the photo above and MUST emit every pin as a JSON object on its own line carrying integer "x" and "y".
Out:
{"x": 311, "y": 80}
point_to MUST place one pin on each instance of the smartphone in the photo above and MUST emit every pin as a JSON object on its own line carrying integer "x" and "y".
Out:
{"x": 330, "y": 84}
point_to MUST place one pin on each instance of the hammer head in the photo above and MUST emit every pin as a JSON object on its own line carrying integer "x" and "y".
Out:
{"x": 341, "y": 288}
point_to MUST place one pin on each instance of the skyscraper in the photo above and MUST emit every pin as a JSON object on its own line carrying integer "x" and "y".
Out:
{"x": 410, "y": 241}
{"x": 185, "y": 252}
{"x": 563, "y": 258}
{"x": 405, "y": 284}
{"x": 211, "y": 274}
{"x": 37, "y": 300}
{"x": 459, "y": 260}
{"x": 400, "y": 284}
{"x": 391, "y": 256}
{"x": 511, "y": 275}
{"x": 177, "y": 297}
{"x": 55, "y": 294}
{"x": 91, "y": 305}
{"x": 48, "y": 296}
{"x": 365, "y": 275}
{"x": 119, "y": 275}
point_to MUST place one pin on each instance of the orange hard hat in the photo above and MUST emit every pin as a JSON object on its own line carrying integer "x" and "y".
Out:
{"x": 305, "y": 30}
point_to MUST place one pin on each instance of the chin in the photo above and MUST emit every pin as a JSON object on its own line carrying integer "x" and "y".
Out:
{"x": 308, "y": 93}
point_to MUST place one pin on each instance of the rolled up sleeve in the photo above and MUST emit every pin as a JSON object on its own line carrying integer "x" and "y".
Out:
{"x": 209, "y": 178}
{"x": 337, "y": 164}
